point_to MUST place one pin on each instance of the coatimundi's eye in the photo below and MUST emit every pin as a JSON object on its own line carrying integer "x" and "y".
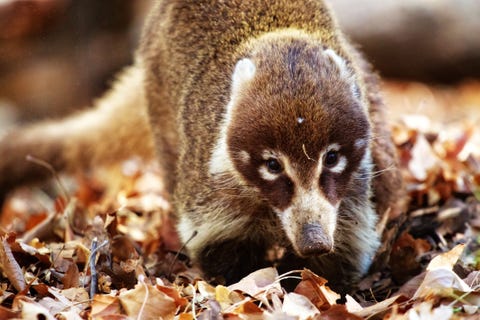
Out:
{"x": 273, "y": 165}
{"x": 331, "y": 158}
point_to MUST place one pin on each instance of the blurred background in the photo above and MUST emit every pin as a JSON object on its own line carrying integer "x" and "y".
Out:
{"x": 58, "y": 55}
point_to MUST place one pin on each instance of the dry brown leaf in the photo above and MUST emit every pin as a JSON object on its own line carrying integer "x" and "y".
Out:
{"x": 338, "y": 312}
{"x": 206, "y": 290}
{"x": 439, "y": 278}
{"x": 71, "y": 279}
{"x": 249, "y": 309}
{"x": 147, "y": 302}
{"x": 10, "y": 266}
{"x": 223, "y": 296}
{"x": 185, "y": 316}
{"x": 404, "y": 257}
{"x": 42, "y": 230}
{"x": 448, "y": 259}
{"x": 7, "y": 314}
{"x": 75, "y": 295}
{"x": 173, "y": 293}
{"x": 378, "y": 308}
{"x": 104, "y": 305}
{"x": 259, "y": 283}
{"x": 313, "y": 287}
{"x": 71, "y": 300}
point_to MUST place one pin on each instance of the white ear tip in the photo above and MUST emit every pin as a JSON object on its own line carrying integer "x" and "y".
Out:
{"x": 341, "y": 64}
{"x": 244, "y": 70}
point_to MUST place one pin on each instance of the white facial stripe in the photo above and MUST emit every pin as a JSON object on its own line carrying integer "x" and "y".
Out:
{"x": 341, "y": 165}
{"x": 333, "y": 147}
{"x": 267, "y": 175}
{"x": 342, "y": 161}
{"x": 220, "y": 161}
{"x": 366, "y": 162}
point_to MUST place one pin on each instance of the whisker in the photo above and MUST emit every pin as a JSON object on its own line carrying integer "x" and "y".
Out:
{"x": 377, "y": 173}
{"x": 378, "y": 136}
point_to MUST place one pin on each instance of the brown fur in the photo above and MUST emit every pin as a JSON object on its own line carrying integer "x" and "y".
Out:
{"x": 183, "y": 81}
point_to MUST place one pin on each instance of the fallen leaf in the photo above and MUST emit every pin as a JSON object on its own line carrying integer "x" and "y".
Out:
{"x": 448, "y": 259}
{"x": 104, "y": 305}
{"x": 206, "y": 290}
{"x": 338, "y": 312}
{"x": 404, "y": 257}
{"x": 10, "y": 266}
{"x": 440, "y": 281}
{"x": 352, "y": 305}
{"x": 8, "y": 314}
{"x": 423, "y": 159}
{"x": 313, "y": 287}
{"x": 298, "y": 306}
{"x": 146, "y": 302}
{"x": 259, "y": 283}
{"x": 174, "y": 294}
{"x": 377, "y": 308}
{"x": 249, "y": 309}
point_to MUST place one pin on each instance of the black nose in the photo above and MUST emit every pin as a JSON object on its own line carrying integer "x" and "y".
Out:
{"x": 314, "y": 241}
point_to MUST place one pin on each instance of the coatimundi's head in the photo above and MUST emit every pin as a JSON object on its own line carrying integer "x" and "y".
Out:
{"x": 296, "y": 129}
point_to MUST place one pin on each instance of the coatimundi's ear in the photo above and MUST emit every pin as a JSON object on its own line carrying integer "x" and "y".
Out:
{"x": 244, "y": 72}
{"x": 220, "y": 160}
{"x": 344, "y": 70}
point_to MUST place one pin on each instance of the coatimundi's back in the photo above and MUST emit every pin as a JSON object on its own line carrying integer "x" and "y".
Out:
{"x": 267, "y": 123}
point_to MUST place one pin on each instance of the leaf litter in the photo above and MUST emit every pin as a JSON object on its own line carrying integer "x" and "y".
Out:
{"x": 108, "y": 249}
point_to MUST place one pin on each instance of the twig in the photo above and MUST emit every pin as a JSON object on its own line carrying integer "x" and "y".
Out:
{"x": 170, "y": 269}
{"x": 93, "y": 271}
{"x": 52, "y": 170}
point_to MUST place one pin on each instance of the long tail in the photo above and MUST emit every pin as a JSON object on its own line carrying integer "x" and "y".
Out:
{"x": 117, "y": 127}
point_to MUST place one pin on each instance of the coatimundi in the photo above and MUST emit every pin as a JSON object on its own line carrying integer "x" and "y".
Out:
{"x": 267, "y": 122}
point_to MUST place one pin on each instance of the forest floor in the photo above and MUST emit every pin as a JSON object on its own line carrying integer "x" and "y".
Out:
{"x": 113, "y": 229}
